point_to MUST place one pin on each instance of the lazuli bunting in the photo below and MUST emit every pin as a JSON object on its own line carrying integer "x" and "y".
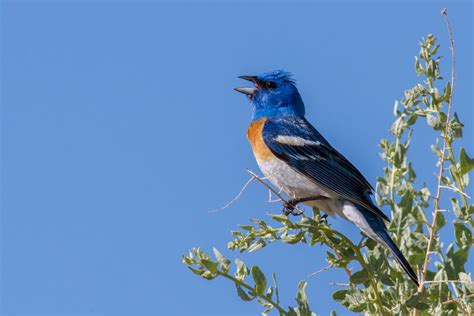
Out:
{"x": 297, "y": 159}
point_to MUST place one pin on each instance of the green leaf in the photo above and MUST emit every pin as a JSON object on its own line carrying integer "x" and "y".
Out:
{"x": 188, "y": 260}
{"x": 433, "y": 121}
{"x": 407, "y": 201}
{"x": 466, "y": 278}
{"x": 197, "y": 271}
{"x": 419, "y": 69}
{"x": 293, "y": 238}
{"x": 209, "y": 275}
{"x": 416, "y": 302}
{"x": 412, "y": 119}
{"x": 436, "y": 150}
{"x": 463, "y": 234}
{"x": 395, "y": 109}
{"x": 242, "y": 293}
{"x": 242, "y": 270}
{"x": 440, "y": 220}
{"x": 280, "y": 218}
{"x": 425, "y": 193}
{"x": 359, "y": 277}
{"x": 455, "y": 260}
{"x": 210, "y": 265}
{"x": 416, "y": 258}
{"x": 302, "y": 299}
{"x": 456, "y": 126}
{"x": 358, "y": 308}
{"x": 247, "y": 227}
{"x": 411, "y": 172}
{"x": 259, "y": 244}
{"x": 339, "y": 295}
{"x": 275, "y": 284}
{"x": 223, "y": 261}
{"x": 387, "y": 280}
{"x": 447, "y": 91}
{"x": 466, "y": 163}
{"x": 269, "y": 292}
{"x": 259, "y": 279}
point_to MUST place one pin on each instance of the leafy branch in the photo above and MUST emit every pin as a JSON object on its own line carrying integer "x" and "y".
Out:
{"x": 375, "y": 283}
{"x": 201, "y": 264}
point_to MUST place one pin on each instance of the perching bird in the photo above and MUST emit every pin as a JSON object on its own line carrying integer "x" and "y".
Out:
{"x": 297, "y": 159}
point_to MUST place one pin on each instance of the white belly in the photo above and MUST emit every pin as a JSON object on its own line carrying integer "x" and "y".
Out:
{"x": 296, "y": 185}
{"x": 289, "y": 181}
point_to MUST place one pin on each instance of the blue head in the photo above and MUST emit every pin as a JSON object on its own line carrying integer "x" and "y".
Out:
{"x": 274, "y": 95}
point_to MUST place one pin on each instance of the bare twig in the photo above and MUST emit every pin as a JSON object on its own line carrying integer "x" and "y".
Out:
{"x": 269, "y": 187}
{"x": 275, "y": 200}
{"x": 448, "y": 281}
{"x": 455, "y": 190}
{"x": 270, "y": 199}
{"x": 457, "y": 299}
{"x": 322, "y": 270}
{"x": 235, "y": 198}
{"x": 340, "y": 284}
{"x": 434, "y": 230}
{"x": 444, "y": 12}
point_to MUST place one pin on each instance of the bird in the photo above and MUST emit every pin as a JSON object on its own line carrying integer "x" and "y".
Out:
{"x": 297, "y": 159}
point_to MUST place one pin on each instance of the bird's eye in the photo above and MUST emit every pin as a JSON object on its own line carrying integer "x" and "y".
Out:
{"x": 270, "y": 85}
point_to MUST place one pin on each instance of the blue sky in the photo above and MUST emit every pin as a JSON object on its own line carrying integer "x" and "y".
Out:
{"x": 121, "y": 131}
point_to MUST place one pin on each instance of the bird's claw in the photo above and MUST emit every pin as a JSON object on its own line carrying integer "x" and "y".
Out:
{"x": 323, "y": 219}
{"x": 290, "y": 208}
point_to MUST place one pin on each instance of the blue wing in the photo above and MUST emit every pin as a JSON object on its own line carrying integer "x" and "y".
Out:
{"x": 319, "y": 161}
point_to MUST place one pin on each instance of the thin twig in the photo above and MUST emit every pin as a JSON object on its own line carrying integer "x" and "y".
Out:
{"x": 457, "y": 299}
{"x": 455, "y": 190}
{"x": 235, "y": 198}
{"x": 259, "y": 179}
{"x": 322, "y": 270}
{"x": 270, "y": 199}
{"x": 433, "y": 230}
{"x": 448, "y": 281}
{"x": 340, "y": 284}
{"x": 274, "y": 201}
{"x": 256, "y": 177}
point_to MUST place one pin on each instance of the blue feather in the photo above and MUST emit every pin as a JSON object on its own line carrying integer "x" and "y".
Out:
{"x": 283, "y": 100}
{"x": 321, "y": 163}
{"x": 379, "y": 228}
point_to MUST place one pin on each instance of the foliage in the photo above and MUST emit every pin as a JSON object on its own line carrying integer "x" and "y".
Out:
{"x": 201, "y": 264}
{"x": 376, "y": 284}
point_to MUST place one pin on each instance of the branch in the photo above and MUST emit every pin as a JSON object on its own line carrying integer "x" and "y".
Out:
{"x": 322, "y": 270}
{"x": 448, "y": 281}
{"x": 457, "y": 300}
{"x": 434, "y": 229}
{"x": 455, "y": 190}
{"x": 256, "y": 177}
{"x": 235, "y": 198}
{"x": 248, "y": 287}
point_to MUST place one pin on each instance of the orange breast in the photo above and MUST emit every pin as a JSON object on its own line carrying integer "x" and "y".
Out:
{"x": 254, "y": 134}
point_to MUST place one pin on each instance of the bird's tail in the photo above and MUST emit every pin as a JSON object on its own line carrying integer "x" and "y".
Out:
{"x": 378, "y": 227}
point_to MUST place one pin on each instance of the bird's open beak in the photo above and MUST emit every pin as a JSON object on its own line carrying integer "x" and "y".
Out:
{"x": 246, "y": 90}
{"x": 249, "y": 78}
{"x": 249, "y": 91}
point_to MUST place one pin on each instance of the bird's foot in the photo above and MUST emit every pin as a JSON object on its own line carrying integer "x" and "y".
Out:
{"x": 289, "y": 207}
{"x": 323, "y": 219}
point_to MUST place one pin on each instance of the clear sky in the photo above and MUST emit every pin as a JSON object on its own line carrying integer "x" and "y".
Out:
{"x": 121, "y": 131}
